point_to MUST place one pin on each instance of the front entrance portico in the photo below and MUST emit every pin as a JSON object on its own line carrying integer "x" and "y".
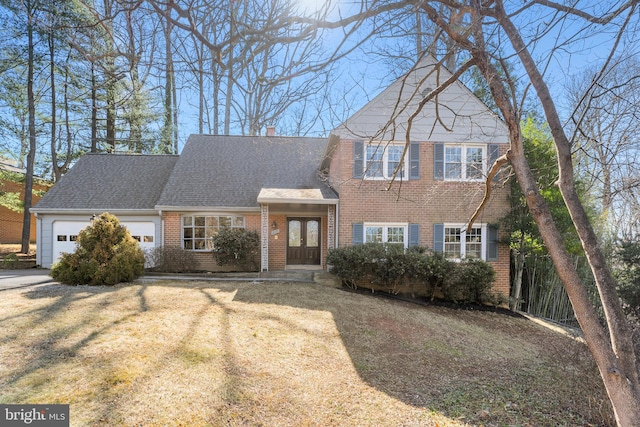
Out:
{"x": 297, "y": 228}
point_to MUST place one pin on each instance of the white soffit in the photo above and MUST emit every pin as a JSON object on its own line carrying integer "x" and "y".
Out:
{"x": 294, "y": 195}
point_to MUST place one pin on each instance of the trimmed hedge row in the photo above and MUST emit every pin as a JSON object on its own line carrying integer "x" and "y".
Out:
{"x": 417, "y": 270}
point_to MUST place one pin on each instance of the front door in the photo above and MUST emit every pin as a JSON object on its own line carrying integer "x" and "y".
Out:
{"x": 303, "y": 243}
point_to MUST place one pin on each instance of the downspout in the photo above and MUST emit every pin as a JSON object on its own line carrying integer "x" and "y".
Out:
{"x": 38, "y": 239}
{"x": 161, "y": 228}
{"x": 336, "y": 242}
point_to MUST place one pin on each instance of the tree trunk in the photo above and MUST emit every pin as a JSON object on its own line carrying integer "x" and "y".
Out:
{"x": 612, "y": 351}
{"x": 110, "y": 85}
{"x": 517, "y": 277}
{"x": 227, "y": 106}
{"x": 167, "y": 142}
{"x": 31, "y": 155}
{"x": 94, "y": 110}
{"x": 52, "y": 77}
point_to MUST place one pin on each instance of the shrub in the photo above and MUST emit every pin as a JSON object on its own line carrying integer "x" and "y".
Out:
{"x": 430, "y": 269}
{"x": 627, "y": 276}
{"x": 11, "y": 261}
{"x": 106, "y": 254}
{"x": 470, "y": 282}
{"x": 393, "y": 268}
{"x": 171, "y": 259}
{"x": 348, "y": 263}
{"x": 237, "y": 247}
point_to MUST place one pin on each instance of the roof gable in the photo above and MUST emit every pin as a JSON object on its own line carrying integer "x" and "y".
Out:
{"x": 456, "y": 115}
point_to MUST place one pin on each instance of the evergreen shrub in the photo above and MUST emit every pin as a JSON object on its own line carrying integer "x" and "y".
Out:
{"x": 237, "y": 247}
{"x": 106, "y": 254}
{"x": 171, "y": 259}
{"x": 470, "y": 282}
{"x": 416, "y": 269}
{"x": 11, "y": 261}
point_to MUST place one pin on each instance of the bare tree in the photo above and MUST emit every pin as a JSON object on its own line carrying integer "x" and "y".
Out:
{"x": 605, "y": 140}
{"x": 611, "y": 347}
{"x": 482, "y": 29}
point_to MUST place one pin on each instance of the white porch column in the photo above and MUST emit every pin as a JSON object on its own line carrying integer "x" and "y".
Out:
{"x": 331, "y": 226}
{"x": 264, "y": 237}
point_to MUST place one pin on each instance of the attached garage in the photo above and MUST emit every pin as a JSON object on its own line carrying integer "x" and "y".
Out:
{"x": 125, "y": 185}
{"x": 65, "y": 234}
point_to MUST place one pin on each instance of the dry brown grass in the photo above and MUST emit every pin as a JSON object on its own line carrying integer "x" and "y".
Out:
{"x": 284, "y": 354}
{"x": 10, "y": 248}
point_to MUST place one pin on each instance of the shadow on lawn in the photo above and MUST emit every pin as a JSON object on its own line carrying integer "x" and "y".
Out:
{"x": 483, "y": 366}
{"x": 45, "y": 349}
{"x": 488, "y": 368}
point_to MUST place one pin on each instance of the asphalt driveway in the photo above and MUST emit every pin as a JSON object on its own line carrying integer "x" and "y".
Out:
{"x": 10, "y": 279}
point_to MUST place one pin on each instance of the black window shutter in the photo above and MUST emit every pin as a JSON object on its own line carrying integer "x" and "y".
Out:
{"x": 358, "y": 233}
{"x": 414, "y": 160}
{"x": 358, "y": 159}
{"x": 414, "y": 235}
{"x": 438, "y": 237}
{"x": 492, "y": 243}
{"x": 438, "y": 162}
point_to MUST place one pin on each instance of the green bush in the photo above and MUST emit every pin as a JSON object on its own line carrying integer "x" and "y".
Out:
{"x": 627, "y": 274}
{"x": 171, "y": 259}
{"x": 237, "y": 247}
{"x": 348, "y": 264}
{"x": 430, "y": 273}
{"x": 11, "y": 261}
{"x": 430, "y": 269}
{"x": 106, "y": 254}
{"x": 470, "y": 281}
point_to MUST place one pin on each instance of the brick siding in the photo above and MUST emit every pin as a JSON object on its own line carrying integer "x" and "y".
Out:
{"x": 277, "y": 241}
{"x": 424, "y": 201}
{"x": 11, "y": 221}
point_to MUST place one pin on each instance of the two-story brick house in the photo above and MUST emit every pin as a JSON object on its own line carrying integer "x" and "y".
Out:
{"x": 307, "y": 195}
{"x": 429, "y": 199}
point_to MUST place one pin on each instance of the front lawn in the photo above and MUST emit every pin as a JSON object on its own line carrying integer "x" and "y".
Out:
{"x": 284, "y": 354}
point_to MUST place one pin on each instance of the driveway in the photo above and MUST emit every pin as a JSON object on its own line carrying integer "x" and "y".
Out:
{"x": 10, "y": 279}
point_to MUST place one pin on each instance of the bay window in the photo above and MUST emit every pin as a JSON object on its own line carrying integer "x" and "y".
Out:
{"x": 199, "y": 230}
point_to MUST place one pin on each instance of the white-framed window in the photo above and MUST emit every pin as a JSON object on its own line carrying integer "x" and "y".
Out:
{"x": 198, "y": 230}
{"x": 459, "y": 244}
{"x": 465, "y": 162}
{"x": 394, "y": 233}
{"x": 381, "y": 160}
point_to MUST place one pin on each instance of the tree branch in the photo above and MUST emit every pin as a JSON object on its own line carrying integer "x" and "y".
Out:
{"x": 500, "y": 161}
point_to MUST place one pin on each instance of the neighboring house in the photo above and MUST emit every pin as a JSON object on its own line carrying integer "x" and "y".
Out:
{"x": 307, "y": 195}
{"x": 12, "y": 181}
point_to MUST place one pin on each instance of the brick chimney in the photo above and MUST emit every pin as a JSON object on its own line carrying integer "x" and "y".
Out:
{"x": 271, "y": 131}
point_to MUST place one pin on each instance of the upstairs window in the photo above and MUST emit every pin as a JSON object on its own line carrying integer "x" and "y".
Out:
{"x": 464, "y": 163}
{"x": 381, "y": 162}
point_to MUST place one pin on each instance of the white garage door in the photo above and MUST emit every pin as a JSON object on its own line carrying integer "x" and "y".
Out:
{"x": 65, "y": 235}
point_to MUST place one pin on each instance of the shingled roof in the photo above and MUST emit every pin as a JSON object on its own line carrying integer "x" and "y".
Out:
{"x": 230, "y": 171}
{"x": 110, "y": 182}
{"x": 211, "y": 172}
